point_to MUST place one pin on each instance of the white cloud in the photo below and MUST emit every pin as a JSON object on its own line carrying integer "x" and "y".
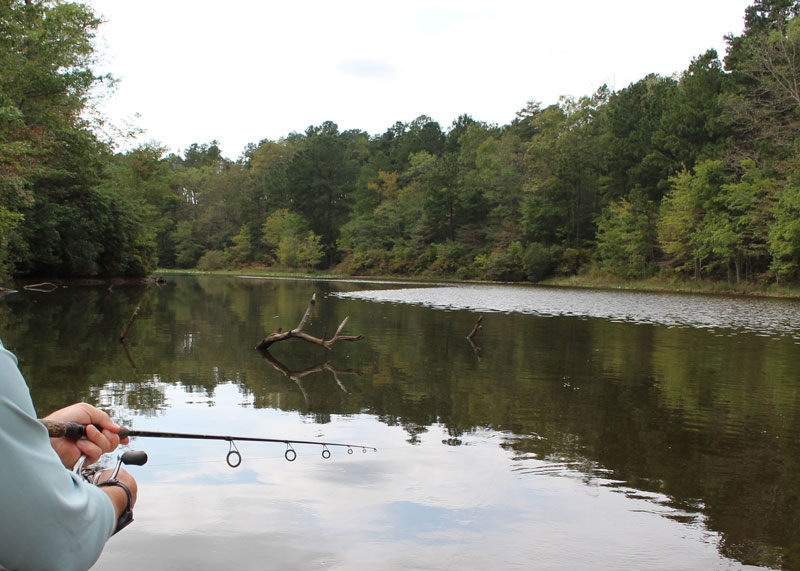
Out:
{"x": 367, "y": 69}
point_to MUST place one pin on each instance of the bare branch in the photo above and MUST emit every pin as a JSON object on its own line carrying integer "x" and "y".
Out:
{"x": 478, "y": 326}
{"x": 129, "y": 323}
{"x": 475, "y": 329}
{"x": 306, "y": 315}
{"x": 297, "y": 333}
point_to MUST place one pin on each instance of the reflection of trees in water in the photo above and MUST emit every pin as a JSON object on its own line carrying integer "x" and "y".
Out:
{"x": 146, "y": 398}
{"x": 709, "y": 423}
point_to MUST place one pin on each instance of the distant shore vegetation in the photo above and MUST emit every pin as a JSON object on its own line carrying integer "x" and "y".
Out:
{"x": 691, "y": 178}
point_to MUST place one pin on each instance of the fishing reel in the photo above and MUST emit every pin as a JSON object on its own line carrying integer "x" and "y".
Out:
{"x": 92, "y": 473}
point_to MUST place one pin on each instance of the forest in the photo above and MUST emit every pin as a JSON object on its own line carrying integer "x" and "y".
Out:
{"x": 692, "y": 176}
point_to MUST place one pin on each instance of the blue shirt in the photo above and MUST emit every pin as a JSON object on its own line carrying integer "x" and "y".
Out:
{"x": 50, "y": 518}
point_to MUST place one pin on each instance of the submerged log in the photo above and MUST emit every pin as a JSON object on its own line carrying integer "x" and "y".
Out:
{"x": 297, "y": 332}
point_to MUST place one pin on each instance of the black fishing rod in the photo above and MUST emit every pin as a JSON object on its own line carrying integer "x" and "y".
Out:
{"x": 75, "y": 431}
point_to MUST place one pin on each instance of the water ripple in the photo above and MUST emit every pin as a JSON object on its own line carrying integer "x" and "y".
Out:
{"x": 766, "y": 316}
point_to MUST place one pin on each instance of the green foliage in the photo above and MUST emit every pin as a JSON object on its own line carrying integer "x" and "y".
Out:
{"x": 710, "y": 223}
{"x": 691, "y": 127}
{"x": 632, "y": 118}
{"x": 279, "y": 226}
{"x": 684, "y": 175}
{"x": 321, "y": 175}
{"x": 51, "y": 162}
{"x": 449, "y": 257}
{"x": 241, "y": 252}
{"x": 187, "y": 248}
{"x": 564, "y": 157}
{"x": 748, "y": 206}
{"x": 211, "y": 260}
{"x": 8, "y": 224}
{"x": 46, "y": 54}
{"x": 310, "y": 252}
{"x": 683, "y": 211}
{"x": 136, "y": 189}
{"x": 538, "y": 262}
{"x": 626, "y": 237}
{"x": 290, "y": 242}
{"x": 204, "y": 155}
{"x": 129, "y": 240}
{"x": 762, "y": 102}
{"x": 506, "y": 264}
{"x": 300, "y": 251}
{"x": 784, "y": 234}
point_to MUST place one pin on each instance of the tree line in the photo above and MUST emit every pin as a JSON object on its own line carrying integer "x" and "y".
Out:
{"x": 690, "y": 176}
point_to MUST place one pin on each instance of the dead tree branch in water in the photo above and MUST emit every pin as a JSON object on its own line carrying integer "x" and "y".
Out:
{"x": 297, "y": 332}
{"x": 130, "y": 322}
{"x": 158, "y": 282}
{"x": 475, "y": 329}
{"x": 471, "y": 337}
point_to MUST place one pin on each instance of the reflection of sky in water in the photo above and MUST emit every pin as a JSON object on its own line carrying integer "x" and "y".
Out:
{"x": 761, "y": 315}
{"x": 423, "y": 506}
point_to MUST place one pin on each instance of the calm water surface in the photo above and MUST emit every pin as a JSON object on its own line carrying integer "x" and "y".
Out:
{"x": 579, "y": 430}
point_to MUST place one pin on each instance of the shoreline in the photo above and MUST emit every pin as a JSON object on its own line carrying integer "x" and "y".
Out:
{"x": 585, "y": 282}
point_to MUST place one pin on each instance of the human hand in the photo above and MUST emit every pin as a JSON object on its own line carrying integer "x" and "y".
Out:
{"x": 96, "y": 442}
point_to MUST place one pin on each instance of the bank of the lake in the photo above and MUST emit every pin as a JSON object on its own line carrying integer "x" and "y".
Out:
{"x": 579, "y": 281}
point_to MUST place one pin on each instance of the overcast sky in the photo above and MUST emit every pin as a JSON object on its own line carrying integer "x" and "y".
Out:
{"x": 241, "y": 71}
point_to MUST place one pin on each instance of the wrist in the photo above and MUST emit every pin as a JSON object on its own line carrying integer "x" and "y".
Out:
{"x": 122, "y": 499}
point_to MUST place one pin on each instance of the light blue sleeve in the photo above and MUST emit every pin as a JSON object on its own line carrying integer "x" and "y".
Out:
{"x": 50, "y": 519}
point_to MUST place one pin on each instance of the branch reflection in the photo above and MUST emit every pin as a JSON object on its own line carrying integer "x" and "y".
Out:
{"x": 297, "y": 375}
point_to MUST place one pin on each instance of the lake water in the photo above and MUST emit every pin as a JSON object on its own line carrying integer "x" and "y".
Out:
{"x": 579, "y": 429}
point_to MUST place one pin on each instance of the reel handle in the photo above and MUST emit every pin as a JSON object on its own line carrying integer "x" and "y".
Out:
{"x": 131, "y": 457}
{"x": 134, "y": 458}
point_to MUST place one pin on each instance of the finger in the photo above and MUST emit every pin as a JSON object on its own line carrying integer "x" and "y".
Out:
{"x": 100, "y": 418}
{"x": 112, "y": 437}
{"x": 98, "y": 439}
{"x": 92, "y": 451}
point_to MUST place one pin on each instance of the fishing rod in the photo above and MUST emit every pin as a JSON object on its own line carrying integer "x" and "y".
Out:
{"x": 75, "y": 431}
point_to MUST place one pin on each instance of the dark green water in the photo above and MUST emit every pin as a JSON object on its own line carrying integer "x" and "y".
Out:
{"x": 583, "y": 430}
